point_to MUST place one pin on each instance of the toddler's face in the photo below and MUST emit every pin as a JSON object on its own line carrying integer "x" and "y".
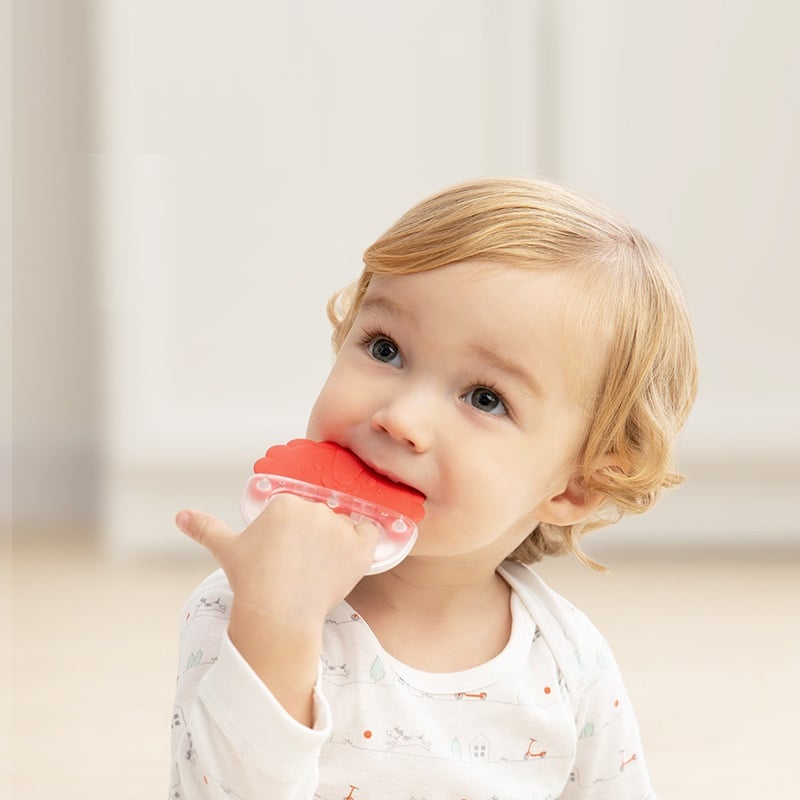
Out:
{"x": 461, "y": 382}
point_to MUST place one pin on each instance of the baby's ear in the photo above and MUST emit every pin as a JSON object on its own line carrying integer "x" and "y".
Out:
{"x": 575, "y": 503}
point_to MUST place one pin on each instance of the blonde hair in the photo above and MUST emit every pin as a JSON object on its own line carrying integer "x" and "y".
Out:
{"x": 651, "y": 376}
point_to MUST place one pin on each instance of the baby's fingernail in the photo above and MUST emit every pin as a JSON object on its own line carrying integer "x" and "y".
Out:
{"x": 182, "y": 520}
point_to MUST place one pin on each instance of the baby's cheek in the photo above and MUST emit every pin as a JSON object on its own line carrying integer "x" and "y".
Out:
{"x": 319, "y": 421}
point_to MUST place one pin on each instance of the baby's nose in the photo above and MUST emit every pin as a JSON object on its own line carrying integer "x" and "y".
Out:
{"x": 406, "y": 419}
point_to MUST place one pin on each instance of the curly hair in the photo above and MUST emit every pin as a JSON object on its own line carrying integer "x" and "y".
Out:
{"x": 650, "y": 379}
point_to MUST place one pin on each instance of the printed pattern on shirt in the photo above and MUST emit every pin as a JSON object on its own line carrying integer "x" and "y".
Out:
{"x": 524, "y": 733}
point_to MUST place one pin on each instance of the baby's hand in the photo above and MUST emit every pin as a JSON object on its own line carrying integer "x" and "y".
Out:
{"x": 295, "y": 561}
{"x": 287, "y": 569}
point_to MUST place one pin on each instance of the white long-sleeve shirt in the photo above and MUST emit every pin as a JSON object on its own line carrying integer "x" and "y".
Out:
{"x": 547, "y": 718}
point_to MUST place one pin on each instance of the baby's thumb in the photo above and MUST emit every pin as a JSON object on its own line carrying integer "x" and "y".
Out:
{"x": 370, "y": 532}
{"x": 206, "y": 530}
{"x": 370, "y": 535}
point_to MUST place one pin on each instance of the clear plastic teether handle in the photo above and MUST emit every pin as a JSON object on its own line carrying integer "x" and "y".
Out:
{"x": 398, "y": 532}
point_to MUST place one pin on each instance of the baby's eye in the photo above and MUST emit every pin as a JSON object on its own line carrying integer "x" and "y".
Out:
{"x": 381, "y": 348}
{"x": 485, "y": 399}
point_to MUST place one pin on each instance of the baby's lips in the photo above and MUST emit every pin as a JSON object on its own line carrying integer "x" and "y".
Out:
{"x": 327, "y": 464}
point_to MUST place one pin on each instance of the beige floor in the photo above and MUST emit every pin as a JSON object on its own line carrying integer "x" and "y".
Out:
{"x": 709, "y": 645}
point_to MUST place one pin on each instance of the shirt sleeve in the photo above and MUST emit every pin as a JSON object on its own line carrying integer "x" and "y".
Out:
{"x": 230, "y": 737}
{"x": 609, "y": 761}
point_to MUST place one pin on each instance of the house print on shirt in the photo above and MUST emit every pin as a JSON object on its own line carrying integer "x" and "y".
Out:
{"x": 479, "y": 749}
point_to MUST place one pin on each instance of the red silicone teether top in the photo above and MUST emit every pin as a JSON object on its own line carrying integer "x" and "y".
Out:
{"x": 334, "y": 467}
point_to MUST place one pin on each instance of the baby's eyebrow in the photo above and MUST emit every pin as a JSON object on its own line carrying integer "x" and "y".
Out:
{"x": 380, "y": 302}
{"x": 511, "y": 369}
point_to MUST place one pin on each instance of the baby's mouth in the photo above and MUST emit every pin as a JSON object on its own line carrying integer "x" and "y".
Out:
{"x": 389, "y": 476}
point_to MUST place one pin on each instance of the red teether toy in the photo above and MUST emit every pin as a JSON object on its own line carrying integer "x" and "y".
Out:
{"x": 330, "y": 474}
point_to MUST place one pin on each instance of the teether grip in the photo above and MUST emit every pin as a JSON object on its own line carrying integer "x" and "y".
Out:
{"x": 323, "y": 472}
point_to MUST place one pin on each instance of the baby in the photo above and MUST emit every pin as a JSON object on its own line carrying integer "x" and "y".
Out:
{"x": 524, "y": 360}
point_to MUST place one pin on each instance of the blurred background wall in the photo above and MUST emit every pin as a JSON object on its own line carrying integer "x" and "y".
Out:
{"x": 192, "y": 180}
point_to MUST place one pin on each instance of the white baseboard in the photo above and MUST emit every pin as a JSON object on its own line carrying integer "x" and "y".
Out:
{"x": 731, "y": 499}
{"x": 739, "y": 504}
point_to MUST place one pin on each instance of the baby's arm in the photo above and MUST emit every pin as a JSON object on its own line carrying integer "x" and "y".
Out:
{"x": 294, "y": 563}
{"x": 609, "y": 760}
{"x": 250, "y": 723}
{"x": 230, "y": 737}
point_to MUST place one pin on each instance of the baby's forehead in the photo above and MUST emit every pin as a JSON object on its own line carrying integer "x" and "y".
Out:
{"x": 507, "y": 287}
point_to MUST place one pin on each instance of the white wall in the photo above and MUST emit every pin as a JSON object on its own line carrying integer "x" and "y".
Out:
{"x": 6, "y": 359}
{"x": 242, "y": 172}
{"x": 193, "y": 179}
{"x": 685, "y": 117}
{"x": 56, "y": 390}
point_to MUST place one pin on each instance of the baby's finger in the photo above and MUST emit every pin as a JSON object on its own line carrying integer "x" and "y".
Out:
{"x": 370, "y": 532}
{"x": 210, "y": 532}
